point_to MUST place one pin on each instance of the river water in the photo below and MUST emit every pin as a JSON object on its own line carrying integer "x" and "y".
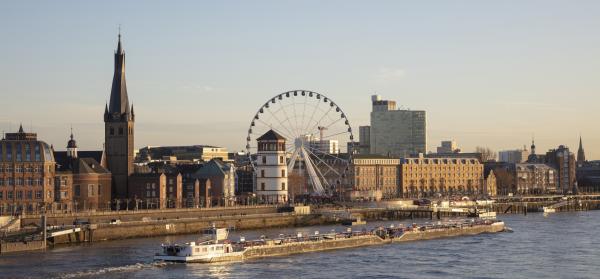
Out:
{"x": 560, "y": 245}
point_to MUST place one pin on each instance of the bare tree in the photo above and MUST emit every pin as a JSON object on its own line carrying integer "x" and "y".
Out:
{"x": 487, "y": 154}
{"x": 505, "y": 181}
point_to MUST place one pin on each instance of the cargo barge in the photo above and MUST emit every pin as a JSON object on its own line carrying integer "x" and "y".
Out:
{"x": 218, "y": 248}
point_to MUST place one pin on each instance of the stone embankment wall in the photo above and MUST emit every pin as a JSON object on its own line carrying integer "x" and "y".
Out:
{"x": 9, "y": 247}
{"x": 139, "y": 215}
{"x": 192, "y": 226}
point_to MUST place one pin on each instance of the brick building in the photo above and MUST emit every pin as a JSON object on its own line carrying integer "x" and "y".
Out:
{"x": 27, "y": 169}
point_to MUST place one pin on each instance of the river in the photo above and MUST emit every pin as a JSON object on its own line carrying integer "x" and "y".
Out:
{"x": 560, "y": 245}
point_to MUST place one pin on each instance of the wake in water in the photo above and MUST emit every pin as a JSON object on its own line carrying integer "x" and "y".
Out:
{"x": 113, "y": 269}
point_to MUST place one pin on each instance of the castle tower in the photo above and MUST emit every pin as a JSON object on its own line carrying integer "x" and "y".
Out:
{"x": 580, "y": 153}
{"x": 271, "y": 168}
{"x": 72, "y": 147}
{"x": 119, "y": 129}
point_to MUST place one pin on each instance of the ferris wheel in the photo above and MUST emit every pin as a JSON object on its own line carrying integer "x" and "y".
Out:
{"x": 318, "y": 136}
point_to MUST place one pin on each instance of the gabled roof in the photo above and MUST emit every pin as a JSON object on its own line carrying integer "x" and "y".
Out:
{"x": 214, "y": 167}
{"x": 271, "y": 135}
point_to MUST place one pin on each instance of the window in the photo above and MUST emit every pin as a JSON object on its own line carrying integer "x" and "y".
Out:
{"x": 38, "y": 194}
{"x": 99, "y": 189}
{"x": 262, "y": 173}
{"x": 281, "y": 159}
{"x": 30, "y": 195}
{"x": 282, "y": 173}
{"x": 19, "y": 169}
{"x": 19, "y": 152}
{"x": 8, "y": 152}
{"x": 11, "y": 181}
{"x": 49, "y": 194}
{"x": 262, "y": 186}
{"x": 37, "y": 152}
{"x": 264, "y": 159}
{"x": 120, "y": 130}
{"x": 1, "y": 195}
{"x": 77, "y": 190}
{"x": 90, "y": 190}
{"x": 148, "y": 194}
{"x": 1, "y": 181}
{"x": 112, "y": 131}
{"x": 19, "y": 195}
{"x": 27, "y": 152}
{"x": 9, "y": 195}
{"x": 282, "y": 186}
{"x": 19, "y": 181}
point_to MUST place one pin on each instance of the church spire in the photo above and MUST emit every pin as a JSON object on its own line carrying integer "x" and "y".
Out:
{"x": 580, "y": 153}
{"x": 118, "y": 107}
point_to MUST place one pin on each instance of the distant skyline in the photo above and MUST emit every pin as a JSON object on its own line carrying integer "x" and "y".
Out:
{"x": 489, "y": 74}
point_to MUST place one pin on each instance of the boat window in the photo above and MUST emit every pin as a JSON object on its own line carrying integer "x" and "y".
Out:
{"x": 197, "y": 250}
{"x": 204, "y": 249}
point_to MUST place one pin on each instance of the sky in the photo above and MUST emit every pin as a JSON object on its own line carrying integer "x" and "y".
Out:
{"x": 488, "y": 73}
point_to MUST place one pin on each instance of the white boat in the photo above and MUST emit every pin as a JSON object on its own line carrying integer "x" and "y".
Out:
{"x": 549, "y": 209}
{"x": 213, "y": 250}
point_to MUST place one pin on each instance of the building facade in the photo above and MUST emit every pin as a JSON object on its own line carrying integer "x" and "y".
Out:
{"x": 373, "y": 177}
{"x": 27, "y": 172}
{"x": 425, "y": 177}
{"x": 119, "y": 128}
{"x": 448, "y": 146}
{"x": 535, "y": 179}
{"x": 271, "y": 168}
{"x": 516, "y": 156}
{"x": 398, "y": 133}
{"x": 192, "y": 153}
{"x": 564, "y": 162}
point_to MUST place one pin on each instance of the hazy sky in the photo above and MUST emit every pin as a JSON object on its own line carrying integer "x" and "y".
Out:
{"x": 489, "y": 73}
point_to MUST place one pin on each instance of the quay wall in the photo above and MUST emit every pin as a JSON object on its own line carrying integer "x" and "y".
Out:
{"x": 190, "y": 226}
{"x": 138, "y": 215}
{"x": 9, "y": 247}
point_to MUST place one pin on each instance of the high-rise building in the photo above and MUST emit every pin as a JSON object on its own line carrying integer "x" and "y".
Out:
{"x": 271, "y": 168}
{"x": 364, "y": 146}
{"x": 119, "y": 128}
{"x": 513, "y": 156}
{"x": 564, "y": 161}
{"x": 448, "y": 146}
{"x": 394, "y": 132}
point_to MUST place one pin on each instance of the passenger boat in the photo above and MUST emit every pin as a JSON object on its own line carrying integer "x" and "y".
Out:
{"x": 219, "y": 248}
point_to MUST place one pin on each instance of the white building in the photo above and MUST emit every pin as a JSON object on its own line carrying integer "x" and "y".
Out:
{"x": 326, "y": 146}
{"x": 271, "y": 168}
{"x": 394, "y": 132}
{"x": 516, "y": 156}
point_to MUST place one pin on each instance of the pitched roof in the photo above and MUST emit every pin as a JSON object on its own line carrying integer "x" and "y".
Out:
{"x": 214, "y": 167}
{"x": 271, "y": 135}
{"x": 64, "y": 162}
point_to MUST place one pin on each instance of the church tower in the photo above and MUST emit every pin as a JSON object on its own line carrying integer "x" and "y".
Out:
{"x": 72, "y": 147}
{"x": 580, "y": 153}
{"x": 119, "y": 129}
